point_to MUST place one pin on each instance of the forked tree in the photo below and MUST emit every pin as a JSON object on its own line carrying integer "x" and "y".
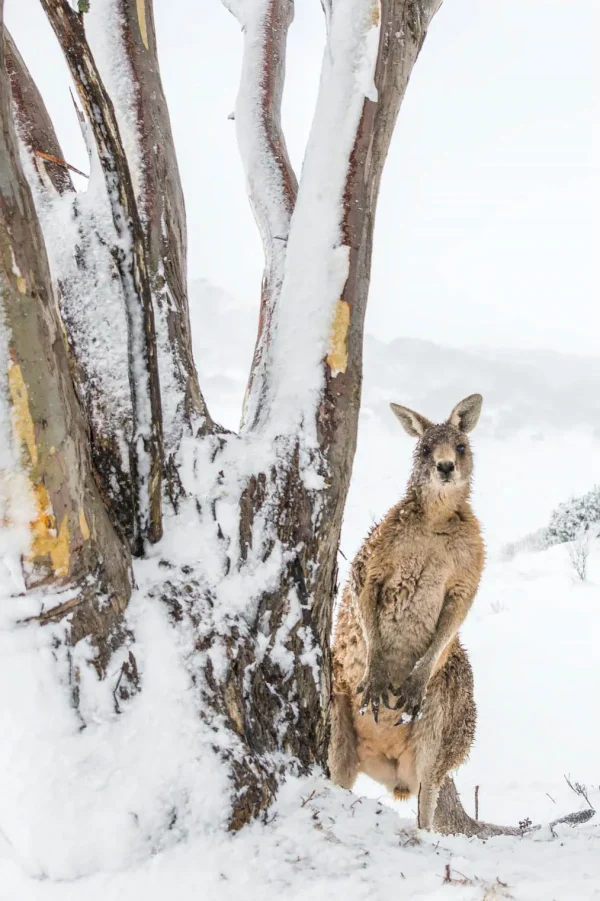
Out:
{"x": 107, "y": 442}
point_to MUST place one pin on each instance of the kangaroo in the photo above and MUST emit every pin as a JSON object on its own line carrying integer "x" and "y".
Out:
{"x": 403, "y": 711}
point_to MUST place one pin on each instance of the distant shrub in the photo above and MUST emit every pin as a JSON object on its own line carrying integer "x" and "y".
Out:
{"x": 570, "y": 519}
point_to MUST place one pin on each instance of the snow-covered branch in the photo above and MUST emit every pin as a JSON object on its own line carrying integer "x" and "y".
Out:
{"x": 310, "y": 324}
{"x": 146, "y": 452}
{"x": 122, "y": 36}
{"x": 272, "y": 184}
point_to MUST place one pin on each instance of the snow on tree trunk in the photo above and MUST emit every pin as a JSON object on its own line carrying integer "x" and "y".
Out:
{"x": 146, "y": 450}
{"x": 271, "y": 181}
{"x": 57, "y": 540}
{"x": 123, "y": 38}
{"x": 79, "y": 236}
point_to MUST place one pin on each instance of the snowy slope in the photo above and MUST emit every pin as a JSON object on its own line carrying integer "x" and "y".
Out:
{"x": 90, "y": 815}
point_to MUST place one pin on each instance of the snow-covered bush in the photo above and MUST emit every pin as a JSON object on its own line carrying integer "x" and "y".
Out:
{"x": 579, "y": 550}
{"x": 574, "y": 516}
{"x": 568, "y": 523}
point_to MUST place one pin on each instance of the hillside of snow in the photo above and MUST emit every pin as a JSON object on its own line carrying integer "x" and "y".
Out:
{"x": 127, "y": 808}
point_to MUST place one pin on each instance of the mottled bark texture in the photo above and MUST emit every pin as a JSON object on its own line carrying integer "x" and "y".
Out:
{"x": 73, "y": 543}
{"x": 146, "y": 450}
{"x": 108, "y": 417}
{"x": 162, "y": 210}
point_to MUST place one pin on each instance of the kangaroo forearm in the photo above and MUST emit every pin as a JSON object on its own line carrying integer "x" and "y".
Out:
{"x": 449, "y": 622}
{"x": 368, "y": 613}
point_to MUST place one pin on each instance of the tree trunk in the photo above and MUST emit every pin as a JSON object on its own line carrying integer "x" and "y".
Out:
{"x": 269, "y": 502}
{"x": 275, "y": 694}
{"x": 146, "y": 451}
{"x": 127, "y": 27}
{"x": 71, "y": 555}
{"x": 82, "y": 265}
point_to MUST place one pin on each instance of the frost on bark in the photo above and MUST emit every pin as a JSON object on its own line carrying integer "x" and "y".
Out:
{"x": 271, "y": 181}
{"x": 129, "y": 28}
{"x": 74, "y": 561}
{"x": 79, "y": 237}
{"x": 146, "y": 449}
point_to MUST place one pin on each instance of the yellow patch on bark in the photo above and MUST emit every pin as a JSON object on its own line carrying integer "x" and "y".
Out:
{"x": 375, "y": 13}
{"x": 23, "y": 421}
{"x": 83, "y": 525}
{"x": 45, "y": 540}
{"x": 21, "y": 285}
{"x": 337, "y": 357}
{"x": 141, "y": 11}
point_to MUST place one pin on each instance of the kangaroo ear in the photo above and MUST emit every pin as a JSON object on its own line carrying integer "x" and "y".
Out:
{"x": 413, "y": 423}
{"x": 465, "y": 415}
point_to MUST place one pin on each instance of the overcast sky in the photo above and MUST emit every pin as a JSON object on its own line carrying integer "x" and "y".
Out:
{"x": 488, "y": 221}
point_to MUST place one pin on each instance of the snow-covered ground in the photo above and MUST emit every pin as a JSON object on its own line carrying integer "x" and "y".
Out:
{"x": 90, "y": 815}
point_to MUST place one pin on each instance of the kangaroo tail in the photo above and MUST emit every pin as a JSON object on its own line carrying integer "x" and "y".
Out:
{"x": 451, "y": 818}
{"x": 343, "y": 756}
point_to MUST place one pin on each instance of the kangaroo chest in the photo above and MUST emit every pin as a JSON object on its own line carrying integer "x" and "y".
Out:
{"x": 411, "y": 599}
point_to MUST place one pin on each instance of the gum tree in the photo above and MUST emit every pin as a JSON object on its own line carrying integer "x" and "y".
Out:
{"x": 109, "y": 444}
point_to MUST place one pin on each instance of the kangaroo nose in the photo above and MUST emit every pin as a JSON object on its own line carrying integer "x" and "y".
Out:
{"x": 446, "y": 466}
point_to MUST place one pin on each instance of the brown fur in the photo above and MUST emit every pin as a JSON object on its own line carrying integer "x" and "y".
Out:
{"x": 410, "y": 587}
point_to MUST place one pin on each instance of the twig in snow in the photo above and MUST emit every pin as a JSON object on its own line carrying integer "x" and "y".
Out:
{"x": 310, "y": 798}
{"x": 551, "y": 798}
{"x": 476, "y": 802}
{"x": 580, "y": 790}
{"x": 353, "y": 805}
{"x": 449, "y": 879}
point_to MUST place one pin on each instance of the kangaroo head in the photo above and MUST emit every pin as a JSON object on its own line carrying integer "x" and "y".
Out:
{"x": 442, "y": 459}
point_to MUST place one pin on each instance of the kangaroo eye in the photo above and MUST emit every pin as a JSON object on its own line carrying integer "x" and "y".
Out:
{"x": 460, "y": 448}
{"x": 426, "y": 451}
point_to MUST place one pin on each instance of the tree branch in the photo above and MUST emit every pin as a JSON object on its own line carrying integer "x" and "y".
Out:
{"x": 86, "y": 268}
{"x": 48, "y": 490}
{"x": 272, "y": 184}
{"x": 146, "y": 451}
{"x": 34, "y": 123}
{"x": 131, "y": 30}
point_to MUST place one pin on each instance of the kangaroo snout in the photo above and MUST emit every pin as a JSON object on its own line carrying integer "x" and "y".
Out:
{"x": 445, "y": 467}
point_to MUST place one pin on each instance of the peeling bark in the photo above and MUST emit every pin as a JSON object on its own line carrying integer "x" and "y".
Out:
{"x": 73, "y": 543}
{"x": 146, "y": 450}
